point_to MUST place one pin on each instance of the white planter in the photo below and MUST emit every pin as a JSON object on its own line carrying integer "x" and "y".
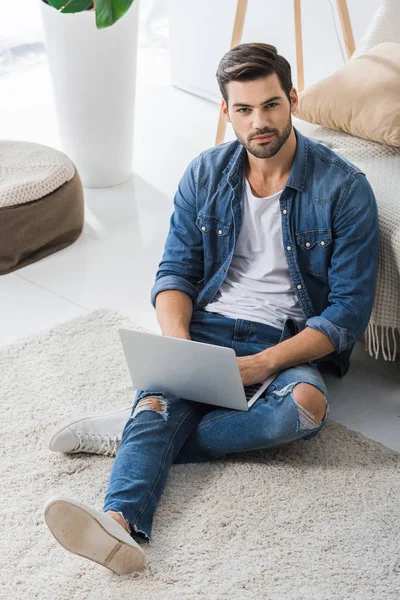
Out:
{"x": 94, "y": 74}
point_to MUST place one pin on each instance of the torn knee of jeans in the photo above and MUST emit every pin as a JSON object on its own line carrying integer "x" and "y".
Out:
{"x": 155, "y": 402}
{"x": 307, "y": 419}
{"x": 285, "y": 390}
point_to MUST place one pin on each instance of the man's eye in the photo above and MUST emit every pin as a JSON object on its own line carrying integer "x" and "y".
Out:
{"x": 268, "y": 106}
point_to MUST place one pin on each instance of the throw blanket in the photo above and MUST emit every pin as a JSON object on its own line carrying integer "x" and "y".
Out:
{"x": 381, "y": 165}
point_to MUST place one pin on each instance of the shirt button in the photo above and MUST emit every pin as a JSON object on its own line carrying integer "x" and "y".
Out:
{"x": 223, "y": 270}
{"x": 322, "y": 243}
{"x": 308, "y": 244}
{"x": 299, "y": 287}
{"x": 288, "y": 247}
{"x": 285, "y": 211}
{"x": 203, "y": 228}
{"x": 219, "y": 231}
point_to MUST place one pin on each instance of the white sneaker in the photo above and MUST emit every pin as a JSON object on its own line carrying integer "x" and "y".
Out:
{"x": 94, "y": 535}
{"x": 96, "y": 434}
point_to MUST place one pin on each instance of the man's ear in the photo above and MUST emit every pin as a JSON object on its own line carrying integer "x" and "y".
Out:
{"x": 294, "y": 100}
{"x": 225, "y": 111}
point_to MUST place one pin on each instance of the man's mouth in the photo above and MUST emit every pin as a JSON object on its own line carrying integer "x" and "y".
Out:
{"x": 264, "y": 138}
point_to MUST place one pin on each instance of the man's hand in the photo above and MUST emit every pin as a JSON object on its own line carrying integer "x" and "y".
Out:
{"x": 253, "y": 368}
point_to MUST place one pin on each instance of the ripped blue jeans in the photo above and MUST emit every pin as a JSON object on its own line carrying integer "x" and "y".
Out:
{"x": 183, "y": 431}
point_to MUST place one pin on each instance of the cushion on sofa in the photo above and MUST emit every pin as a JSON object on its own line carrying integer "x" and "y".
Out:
{"x": 362, "y": 98}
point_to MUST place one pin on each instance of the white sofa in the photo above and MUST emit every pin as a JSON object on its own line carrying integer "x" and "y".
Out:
{"x": 381, "y": 165}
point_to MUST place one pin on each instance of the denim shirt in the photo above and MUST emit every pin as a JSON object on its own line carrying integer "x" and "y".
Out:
{"x": 330, "y": 234}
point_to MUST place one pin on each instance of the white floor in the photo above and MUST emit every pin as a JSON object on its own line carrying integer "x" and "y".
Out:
{"x": 114, "y": 262}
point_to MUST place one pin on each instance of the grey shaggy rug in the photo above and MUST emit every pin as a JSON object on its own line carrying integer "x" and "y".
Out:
{"x": 309, "y": 520}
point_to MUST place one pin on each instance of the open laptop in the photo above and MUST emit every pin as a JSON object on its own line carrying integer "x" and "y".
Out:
{"x": 192, "y": 370}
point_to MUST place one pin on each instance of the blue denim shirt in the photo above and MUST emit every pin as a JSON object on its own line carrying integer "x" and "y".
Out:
{"x": 330, "y": 233}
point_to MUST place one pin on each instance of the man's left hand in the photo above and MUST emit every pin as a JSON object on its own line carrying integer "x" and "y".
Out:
{"x": 253, "y": 368}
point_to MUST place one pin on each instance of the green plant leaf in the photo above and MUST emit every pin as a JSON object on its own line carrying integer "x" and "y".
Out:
{"x": 109, "y": 11}
{"x": 72, "y": 6}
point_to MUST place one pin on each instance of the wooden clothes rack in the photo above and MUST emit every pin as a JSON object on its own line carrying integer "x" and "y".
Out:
{"x": 240, "y": 16}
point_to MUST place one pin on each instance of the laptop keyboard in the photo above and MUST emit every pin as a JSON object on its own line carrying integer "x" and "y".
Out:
{"x": 250, "y": 390}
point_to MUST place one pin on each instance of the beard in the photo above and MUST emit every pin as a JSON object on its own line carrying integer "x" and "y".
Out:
{"x": 270, "y": 148}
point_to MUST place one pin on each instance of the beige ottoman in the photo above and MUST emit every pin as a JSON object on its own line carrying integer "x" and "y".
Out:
{"x": 41, "y": 203}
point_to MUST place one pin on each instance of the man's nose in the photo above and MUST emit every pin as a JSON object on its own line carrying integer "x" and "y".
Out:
{"x": 260, "y": 123}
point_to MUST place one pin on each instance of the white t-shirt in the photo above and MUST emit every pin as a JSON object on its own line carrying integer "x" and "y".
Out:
{"x": 258, "y": 286}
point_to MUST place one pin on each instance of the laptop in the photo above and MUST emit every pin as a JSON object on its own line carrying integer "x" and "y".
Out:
{"x": 188, "y": 369}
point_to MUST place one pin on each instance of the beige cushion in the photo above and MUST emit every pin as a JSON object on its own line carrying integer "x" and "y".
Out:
{"x": 41, "y": 203}
{"x": 362, "y": 98}
{"x": 29, "y": 171}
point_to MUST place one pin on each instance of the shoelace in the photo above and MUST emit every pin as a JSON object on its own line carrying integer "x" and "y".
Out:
{"x": 99, "y": 443}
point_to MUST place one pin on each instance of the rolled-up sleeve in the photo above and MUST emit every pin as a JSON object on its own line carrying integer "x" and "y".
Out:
{"x": 182, "y": 264}
{"x": 353, "y": 268}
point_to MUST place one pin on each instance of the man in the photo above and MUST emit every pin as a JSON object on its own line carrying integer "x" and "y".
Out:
{"x": 272, "y": 250}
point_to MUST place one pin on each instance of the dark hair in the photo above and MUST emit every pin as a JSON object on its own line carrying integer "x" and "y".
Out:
{"x": 247, "y": 62}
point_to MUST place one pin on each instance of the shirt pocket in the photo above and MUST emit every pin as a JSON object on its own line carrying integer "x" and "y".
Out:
{"x": 314, "y": 249}
{"x": 215, "y": 236}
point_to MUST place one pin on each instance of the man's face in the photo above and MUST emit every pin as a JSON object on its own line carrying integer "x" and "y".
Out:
{"x": 251, "y": 115}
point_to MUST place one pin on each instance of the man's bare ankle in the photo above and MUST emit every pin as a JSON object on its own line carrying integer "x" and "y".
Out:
{"x": 117, "y": 517}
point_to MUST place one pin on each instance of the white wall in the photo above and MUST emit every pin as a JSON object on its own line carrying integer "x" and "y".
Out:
{"x": 201, "y": 31}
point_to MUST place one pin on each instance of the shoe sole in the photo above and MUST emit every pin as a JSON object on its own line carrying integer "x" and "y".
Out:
{"x": 70, "y": 422}
{"x": 81, "y": 533}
